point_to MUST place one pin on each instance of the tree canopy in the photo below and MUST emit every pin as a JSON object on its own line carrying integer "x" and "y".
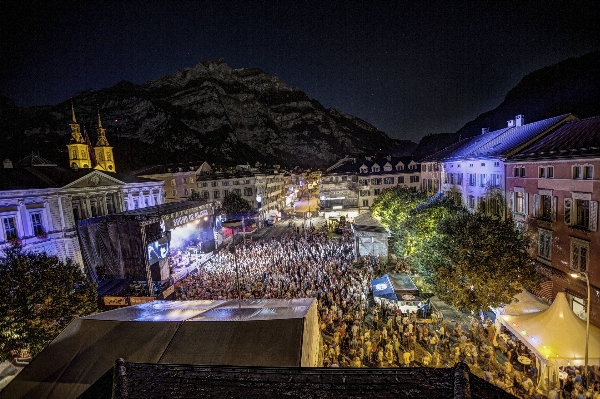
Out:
{"x": 470, "y": 260}
{"x": 234, "y": 205}
{"x": 475, "y": 261}
{"x": 39, "y": 297}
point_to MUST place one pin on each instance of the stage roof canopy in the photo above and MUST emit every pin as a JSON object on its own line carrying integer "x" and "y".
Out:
{"x": 271, "y": 333}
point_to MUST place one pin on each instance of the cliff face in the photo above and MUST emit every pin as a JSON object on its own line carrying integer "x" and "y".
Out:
{"x": 210, "y": 111}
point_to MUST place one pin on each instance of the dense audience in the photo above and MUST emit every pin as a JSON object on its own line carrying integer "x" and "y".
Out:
{"x": 356, "y": 331}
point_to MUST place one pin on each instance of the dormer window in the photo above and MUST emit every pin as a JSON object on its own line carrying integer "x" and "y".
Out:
{"x": 375, "y": 168}
{"x": 387, "y": 167}
{"x": 364, "y": 169}
{"x": 400, "y": 166}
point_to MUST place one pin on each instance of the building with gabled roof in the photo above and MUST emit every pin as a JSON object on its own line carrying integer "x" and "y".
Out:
{"x": 350, "y": 186}
{"x": 553, "y": 189}
{"x": 474, "y": 173}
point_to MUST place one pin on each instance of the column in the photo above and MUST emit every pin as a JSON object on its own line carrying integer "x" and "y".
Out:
{"x": 22, "y": 221}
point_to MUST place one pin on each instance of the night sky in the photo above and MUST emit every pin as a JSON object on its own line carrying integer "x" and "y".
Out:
{"x": 409, "y": 68}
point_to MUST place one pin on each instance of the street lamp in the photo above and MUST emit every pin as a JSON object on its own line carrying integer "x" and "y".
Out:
{"x": 232, "y": 224}
{"x": 587, "y": 323}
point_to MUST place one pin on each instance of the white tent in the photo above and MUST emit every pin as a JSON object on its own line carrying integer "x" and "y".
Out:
{"x": 524, "y": 303}
{"x": 555, "y": 335}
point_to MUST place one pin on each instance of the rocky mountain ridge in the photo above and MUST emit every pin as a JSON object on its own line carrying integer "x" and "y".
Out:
{"x": 208, "y": 112}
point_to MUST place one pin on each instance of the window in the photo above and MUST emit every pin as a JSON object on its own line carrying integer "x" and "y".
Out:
{"x": 225, "y": 182}
{"x": 376, "y": 182}
{"x": 236, "y": 182}
{"x": 482, "y": 204}
{"x": 365, "y": 202}
{"x": 542, "y": 172}
{"x": 225, "y": 193}
{"x": 429, "y": 168}
{"x": 401, "y": 180}
{"x": 214, "y": 183}
{"x": 377, "y": 191}
{"x": 186, "y": 192}
{"x": 414, "y": 179}
{"x": 388, "y": 180}
{"x": 36, "y": 224}
{"x": 519, "y": 171}
{"x": 172, "y": 182}
{"x": 247, "y": 181}
{"x": 10, "y": 229}
{"x": 375, "y": 168}
{"x": 545, "y": 244}
{"x": 550, "y": 172}
{"x": 546, "y": 172}
{"x": 519, "y": 202}
{"x": 582, "y": 212}
{"x": 545, "y": 208}
{"x": 577, "y": 172}
{"x": 495, "y": 180}
{"x": 365, "y": 193}
{"x": 204, "y": 184}
{"x": 205, "y": 195}
{"x": 588, "y": 172}
{"x": 459, "y": 179}
{"x": 191, "y": 180}
{"x": 400, "y": 166}
{"x": 472, "y": 179}
{"x": 451, "y": 180}
{"x": 237, "y": 191}
{"x": 136, "y": 203}
{"x": 483, "y": 164}
{"x": 364, "y": 182}
{"x": 216, "y": 194}
{"x": 471, "y": 202}
{"x": 248, "y": 191}
{"x": 579, "y": 254}
{"x": 363, "y": 169}
{"x": 496, "y": 164}
{"x": 174, "y": 193}
{"x": 482, "y": 180}
{"x": 344, "y": 178}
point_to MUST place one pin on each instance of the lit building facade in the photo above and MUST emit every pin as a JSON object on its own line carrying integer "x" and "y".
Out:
{"x": 474, "y": 173}
{"x": 352, "y": 185}
{"x": 553, "y": 190}
{"x": 179, "y": 179}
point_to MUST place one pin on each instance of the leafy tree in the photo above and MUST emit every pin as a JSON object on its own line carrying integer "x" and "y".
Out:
{"x": 475, "y": 261}
{"x": 235, "y": 206}
{"x": 39, "y": 297}
{"x": 195, "y": 196}
{"x": 392, "y": 208}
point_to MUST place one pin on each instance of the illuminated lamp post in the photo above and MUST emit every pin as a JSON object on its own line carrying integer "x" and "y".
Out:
{"x": 232, "y": 224}
{"x": 587, "y": 323}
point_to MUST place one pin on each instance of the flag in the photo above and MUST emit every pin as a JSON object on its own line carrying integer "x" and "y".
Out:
{"x": 90, "y": 148}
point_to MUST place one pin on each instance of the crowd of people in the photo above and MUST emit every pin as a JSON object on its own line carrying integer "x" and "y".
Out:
{"x": 356, "y": 331}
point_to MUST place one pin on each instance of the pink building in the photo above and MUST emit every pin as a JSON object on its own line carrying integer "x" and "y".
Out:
{"x": 553, "y": 189}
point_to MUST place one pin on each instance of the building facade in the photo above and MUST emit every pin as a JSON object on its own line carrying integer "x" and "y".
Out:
{"x": 553, "y": 189}
{"x": 350, "y": 187}
{"x": 179, "y": 180}
{"x": 474, "y": 173}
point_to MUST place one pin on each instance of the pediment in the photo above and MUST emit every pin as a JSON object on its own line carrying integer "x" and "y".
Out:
{"x": 95, "y": 179}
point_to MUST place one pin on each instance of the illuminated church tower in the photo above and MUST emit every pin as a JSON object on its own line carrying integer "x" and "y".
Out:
{"x": 79, "y": 155}
{"x": 104, "y": 154}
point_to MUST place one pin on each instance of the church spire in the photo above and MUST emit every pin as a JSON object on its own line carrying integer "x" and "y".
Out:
{"x": 102, "y": 141}
{"x": 76, "y": 136}
{"x": 73, "y": 112}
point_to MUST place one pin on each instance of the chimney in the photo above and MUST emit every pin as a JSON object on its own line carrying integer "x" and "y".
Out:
{"x": 511, "y": 123}
{"x": 389, "y": 158}
{"x": 520, "y": 120}
{"x": 8, "y": 164}
{"x": 485, "y": 130}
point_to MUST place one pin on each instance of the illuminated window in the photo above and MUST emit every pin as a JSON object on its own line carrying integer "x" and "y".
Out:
{"x": 388, "y": 180}
{"x": 472, "y": 179}
{"x": 172, "y": 182}
{"x": 546, "y": 207}
{"x": 482, "y": 180}
{"x": 519, "y": 202}
{"x": 216, "y": 194}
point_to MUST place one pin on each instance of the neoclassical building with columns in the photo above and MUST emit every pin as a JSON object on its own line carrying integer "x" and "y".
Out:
{"x": 41, "y": 202}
